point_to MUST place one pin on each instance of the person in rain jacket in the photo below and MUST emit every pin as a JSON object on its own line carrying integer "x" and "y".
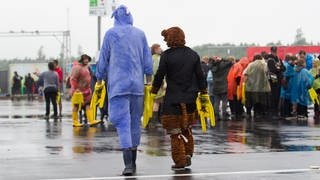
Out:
{"x": 276, "y": 69}
{"x": 308, "y": 59}
{"x": 80, "y": 82}
{"x": 315, "y": 72}
{"x": 220, "y": 69}
{"x": 301, "y": 83}
{"x": 158, "y": 100}
{"x": 234, "y": 84}
{"x": 124, "y": 59}
{"x": 285, "y": 103}
{"x": 257, "y": 86}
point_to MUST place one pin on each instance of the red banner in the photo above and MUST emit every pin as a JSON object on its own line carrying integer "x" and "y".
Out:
{"x": 283, "y": 50}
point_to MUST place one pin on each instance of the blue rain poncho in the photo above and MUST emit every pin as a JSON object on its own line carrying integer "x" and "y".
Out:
{"x": 309, "y": 60}
{"x": 301, "y": 83}
{"x": 288, "y": 75}
{"x": 124, "y": 57}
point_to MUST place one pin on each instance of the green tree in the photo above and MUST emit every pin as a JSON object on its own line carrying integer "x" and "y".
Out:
{"x": 299, "y": 38}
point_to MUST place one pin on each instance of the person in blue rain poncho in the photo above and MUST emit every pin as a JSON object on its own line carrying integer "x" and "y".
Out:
{"x": 124, "y": 60}
{"x": 301, "y": 83}
{"x": 285, "y": 95}
{"x": 308, "y": 59}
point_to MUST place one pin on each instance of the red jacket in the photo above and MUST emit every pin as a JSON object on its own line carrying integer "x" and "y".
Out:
{"x": 60, "y": 74}
{"x": 234, "y": 73}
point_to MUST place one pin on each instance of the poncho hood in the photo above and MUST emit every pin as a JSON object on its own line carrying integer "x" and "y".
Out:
{"x": 244, "y": 61}
{"x": 122, "y": 16}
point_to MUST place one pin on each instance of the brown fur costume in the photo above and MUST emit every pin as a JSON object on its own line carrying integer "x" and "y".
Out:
{"x": 174, "y": 37}
{"x": 179, "y": 128}
{"x": 178, "y": 118}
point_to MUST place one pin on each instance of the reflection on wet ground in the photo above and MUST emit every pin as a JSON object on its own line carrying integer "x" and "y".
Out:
{"x": 27, "y": 133}
{"x": 227, "y": 137}
{"x": 245, "y": 137}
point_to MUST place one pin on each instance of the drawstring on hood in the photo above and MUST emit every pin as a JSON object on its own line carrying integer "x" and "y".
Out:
{"x": 122, "y": 16}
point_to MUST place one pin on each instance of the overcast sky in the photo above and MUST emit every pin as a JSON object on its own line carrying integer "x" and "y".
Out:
{"x": 204, "y": 21}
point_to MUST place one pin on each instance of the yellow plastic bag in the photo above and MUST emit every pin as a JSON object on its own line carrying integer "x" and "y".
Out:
{"x": 98, "y": 98}
{"x": 205, "y": 111}
{"x": 148, "y": 105}
{"x": 77, "y": 99}
{"x": 239, "y": 93}
{"x": 243, "y": 100}
{"x": 58, "y": 97}
{"x": 314, "y": 96}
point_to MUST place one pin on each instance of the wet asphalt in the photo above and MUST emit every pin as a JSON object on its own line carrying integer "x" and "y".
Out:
{"x": 34, "y": 148}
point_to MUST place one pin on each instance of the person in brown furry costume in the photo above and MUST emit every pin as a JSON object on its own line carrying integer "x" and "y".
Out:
{"x": 181, "y": 67}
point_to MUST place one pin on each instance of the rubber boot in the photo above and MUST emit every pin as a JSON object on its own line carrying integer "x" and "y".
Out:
{"x": 189, "y": 146}
{"x": 178, "y": 152}
{"x": 91, "y": 119}
{"x": 127, "y": 159}
{"x": 75, "y": 120}
{"x": 134, "y": 158}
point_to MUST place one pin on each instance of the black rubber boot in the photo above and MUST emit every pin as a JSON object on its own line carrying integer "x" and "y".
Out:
{"x": 127, "y": 159}
{"x": 134, "y": 158}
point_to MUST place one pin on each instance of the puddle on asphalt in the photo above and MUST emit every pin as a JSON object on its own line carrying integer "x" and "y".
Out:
{"x": 54, "y": 150}
{"x": 245, "y": 136}
{"x": 16, "y": 117}
{"x": 53, "y": 129}
{"x": 99, "y": 139}
{"x": 227, "y": 137}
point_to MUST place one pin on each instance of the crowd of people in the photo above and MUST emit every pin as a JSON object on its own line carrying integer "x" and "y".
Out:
{"x": 266, "y": 85}
{"x": 29, "y": 86}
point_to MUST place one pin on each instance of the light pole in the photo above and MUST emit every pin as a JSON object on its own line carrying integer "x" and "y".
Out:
{"x": 99, "y": 33}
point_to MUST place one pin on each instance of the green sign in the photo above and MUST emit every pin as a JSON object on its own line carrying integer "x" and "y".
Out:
{"x": 101, "y": 7}
{"x": 93, "y": 3}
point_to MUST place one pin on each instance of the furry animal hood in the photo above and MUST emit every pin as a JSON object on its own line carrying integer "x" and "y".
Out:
{"x": 122, "y": 16}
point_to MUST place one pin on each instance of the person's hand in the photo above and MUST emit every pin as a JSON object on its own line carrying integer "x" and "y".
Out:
{"x": 99, "y": 85}
{"x": 154, "y": 90}
{"x": 205, "y": 91}
{"x": 149, "y": 80}
{"x": 153, "y": 95}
